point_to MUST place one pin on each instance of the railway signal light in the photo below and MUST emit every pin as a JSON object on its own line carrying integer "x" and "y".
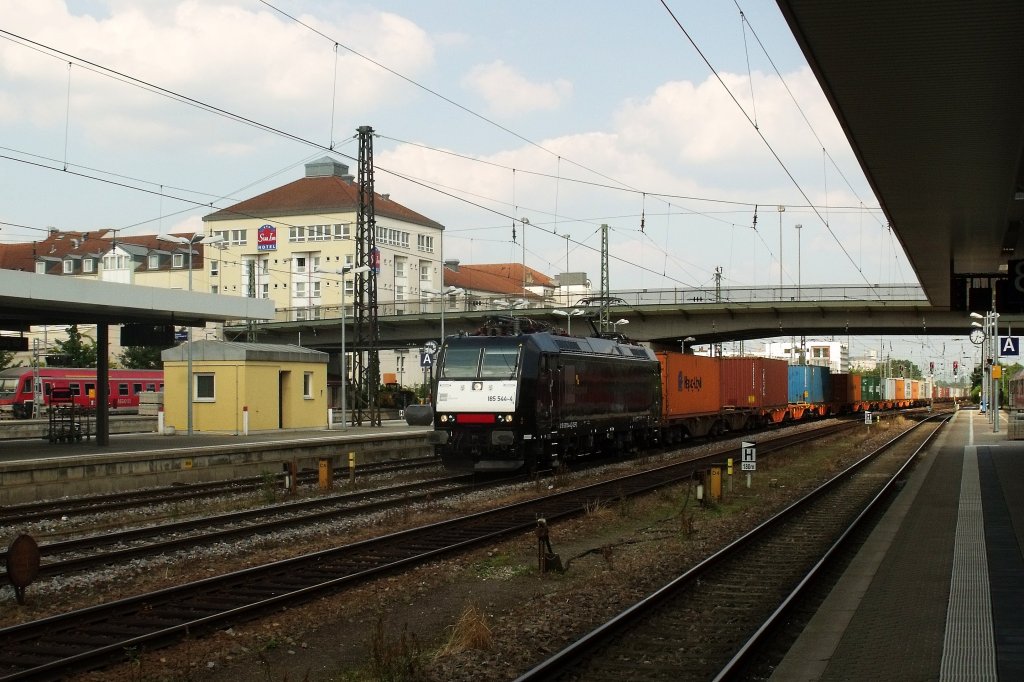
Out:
{"x": 956, "y": 366}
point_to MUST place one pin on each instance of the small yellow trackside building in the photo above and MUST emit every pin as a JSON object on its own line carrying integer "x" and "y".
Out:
{"x": 245, "y": 386}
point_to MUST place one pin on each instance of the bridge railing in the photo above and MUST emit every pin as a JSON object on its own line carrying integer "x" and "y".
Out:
{"x": 630, "y": 297}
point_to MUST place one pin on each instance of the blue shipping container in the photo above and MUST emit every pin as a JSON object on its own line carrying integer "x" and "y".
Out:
{"x": 809, "y": 384}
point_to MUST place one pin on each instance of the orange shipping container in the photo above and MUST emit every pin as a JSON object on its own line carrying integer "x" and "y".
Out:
{"x": 915, "y": 389}
{"x": 855, "y": 393}
{"x": 689, "y": 385}
{"x": 754, "y": 382}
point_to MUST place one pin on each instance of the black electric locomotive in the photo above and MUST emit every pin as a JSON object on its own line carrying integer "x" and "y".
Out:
{"x": 516, "y": 401}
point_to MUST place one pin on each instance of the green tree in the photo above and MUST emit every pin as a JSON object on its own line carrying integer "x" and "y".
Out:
{"x": 77, "y": 351}
{"x": 6, "y": 358}
{"x": 141, "y": 357}
{"x": 977, "y": 377}
{"x": 900, "y": 369}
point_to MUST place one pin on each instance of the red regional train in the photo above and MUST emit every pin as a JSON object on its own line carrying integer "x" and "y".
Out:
{"x": 17, "y": 395}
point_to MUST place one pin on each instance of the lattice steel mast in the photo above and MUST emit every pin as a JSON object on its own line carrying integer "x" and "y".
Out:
{"x": 366, "y": 361}
{"x": 605, "y": 320}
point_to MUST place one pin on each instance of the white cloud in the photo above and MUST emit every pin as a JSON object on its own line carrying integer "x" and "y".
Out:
{"x": 508, "y": 93}
{"x": 246, "y": 60}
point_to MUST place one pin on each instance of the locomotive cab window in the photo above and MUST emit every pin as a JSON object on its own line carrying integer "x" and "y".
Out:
{"x": 461, "y": 363}
{"x": 8, "y": 387}
{"x": 499, "y": 363}
{"x": 481, "y": 363}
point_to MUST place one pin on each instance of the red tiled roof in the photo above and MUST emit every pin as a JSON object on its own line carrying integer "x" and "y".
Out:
{"x": 313, "y": 196}
{"x": 59, "y": 245}
{"x": 499, "y": 278}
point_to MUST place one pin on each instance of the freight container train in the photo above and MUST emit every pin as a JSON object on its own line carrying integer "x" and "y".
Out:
{"x": 17, "y": 392}
{"x": 506, "y": 399}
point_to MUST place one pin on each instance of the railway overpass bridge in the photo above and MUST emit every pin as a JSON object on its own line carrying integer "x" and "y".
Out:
{"x": 663, "y": 317}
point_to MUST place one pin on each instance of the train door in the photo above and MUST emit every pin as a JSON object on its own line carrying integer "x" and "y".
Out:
{"x": 90, "y": 395}
{"x": 122, "y": 395}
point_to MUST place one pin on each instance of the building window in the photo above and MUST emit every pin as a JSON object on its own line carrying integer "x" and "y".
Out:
{"x": 178, "y": 260}
{"x": 307, "y": 385}
{"x": 343, "y": 231}
{"x": 399, "y": 292}
{"x": 88, "y": 264}
{"x": 300, "y": 265}
{"x": 213, "y": 288}
{"x": 214, "y": 268}
{"x": 69, "y": 267}
{"x": 425, "y": 243}
{"x": 319, "y": 233}
{"x": 399, "y": 267}
{"x": 231, "y": 237}
{"x": 392, "y": 237}
{"x": 204, "y": 388}
{"x": 316, "y": 289}
{"x": 296, "y": 234}
{"x": 425, "y": 271}
{"x": 154, "y": 261}
{"x": 40, "y": 267}
{"x": 300, "y": 289}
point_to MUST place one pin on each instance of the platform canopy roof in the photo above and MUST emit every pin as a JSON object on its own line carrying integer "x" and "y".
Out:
{"x": 931, "y": 97}
{"x": 29, "y": 299}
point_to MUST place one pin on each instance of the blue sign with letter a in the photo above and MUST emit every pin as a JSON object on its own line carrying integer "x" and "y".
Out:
{"x": 1009, "y": 345}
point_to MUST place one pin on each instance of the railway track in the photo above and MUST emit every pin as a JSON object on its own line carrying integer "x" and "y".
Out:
{"x": 55, "y": 647}
{"x": 708, "y": 623}
{"x": 91, "y": 551}
{"x": 98, "y": 504}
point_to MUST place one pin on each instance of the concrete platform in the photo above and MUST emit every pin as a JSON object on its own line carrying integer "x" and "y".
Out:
{"x": 937, "y": 592}
{"x": 35, "y": 469}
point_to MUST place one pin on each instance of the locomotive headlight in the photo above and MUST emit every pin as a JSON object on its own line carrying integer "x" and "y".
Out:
{"x": 444, "y": 419}
{"x": 508, "y": 418}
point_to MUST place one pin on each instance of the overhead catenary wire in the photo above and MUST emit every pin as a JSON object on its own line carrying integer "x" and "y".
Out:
{"x": 193, "y": 102}
{"x": 767, "y": 144}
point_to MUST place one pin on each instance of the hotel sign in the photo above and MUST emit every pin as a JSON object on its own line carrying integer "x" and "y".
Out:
{"x": 266, "y": 238}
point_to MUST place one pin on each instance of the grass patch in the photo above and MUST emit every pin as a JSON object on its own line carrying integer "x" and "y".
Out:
{"x": 471, "y": 632}
{"x": 499, "y": 566}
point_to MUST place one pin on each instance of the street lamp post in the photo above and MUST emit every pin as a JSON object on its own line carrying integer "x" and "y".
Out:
{"x": 568, "y": 315}
{"x": 798, "y": 278}
{"x": 615, "y": 325}
{"x": 782, "y": 209}
{"x": 190, "y": 242}
{"x": 444, "y": 294}
{"x": 344, "y": 369}
{"x": 986, "y": 335}
{"x": 567, "y": 294}
{"x": 799, "y": 284}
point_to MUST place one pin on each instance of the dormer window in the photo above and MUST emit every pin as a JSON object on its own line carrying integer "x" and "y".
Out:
{"x": 178, "y": 260}
{"x": 69, "y": 267}
{"x": 154, "y": 261}
{"x": 88, "y": 264}
{"x": 40, "y": 267}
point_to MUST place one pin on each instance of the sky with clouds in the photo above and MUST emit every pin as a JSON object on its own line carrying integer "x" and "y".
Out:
{"x": 674, "y": 128}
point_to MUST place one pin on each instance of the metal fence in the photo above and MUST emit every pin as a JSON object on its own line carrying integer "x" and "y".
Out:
{"x": 630, "y": 297}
